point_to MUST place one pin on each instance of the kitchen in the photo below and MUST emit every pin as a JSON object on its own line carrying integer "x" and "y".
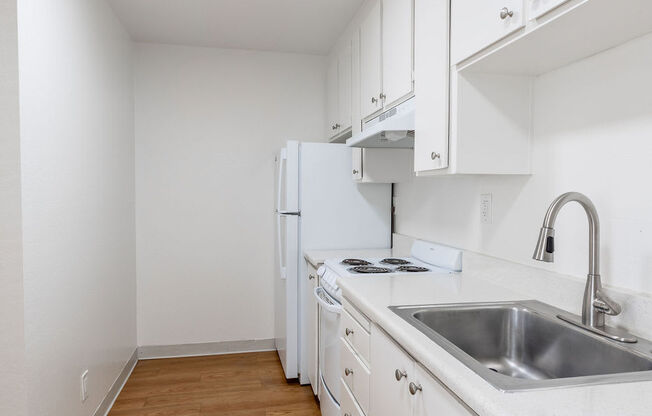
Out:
{"x": 181, "y": 181}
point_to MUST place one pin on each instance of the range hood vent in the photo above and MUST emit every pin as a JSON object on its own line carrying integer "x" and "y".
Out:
{"x": 392, "y": 129}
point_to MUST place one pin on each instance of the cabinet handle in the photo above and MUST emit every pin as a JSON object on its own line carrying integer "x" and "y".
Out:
{"x": 311, "y": 277}
{"x": 414, "y": 388}
{"x": 348, "y": 332}
{"x": 348, "y": 372}
{"x": 505, "y": 13}
{"x": 355, "y": 171}
{"x": 374, "y": 100}
{"x": 399, "y": 374}
{"x": 334, "y": 127}
{"x": 337, "y": 126}
{"x": 382, "y": 96}
{"x": 435, "y": 155}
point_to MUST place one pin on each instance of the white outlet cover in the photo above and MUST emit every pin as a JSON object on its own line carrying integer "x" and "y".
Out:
{"x": 486, "y": 209}
{"x": 84, "y": 386}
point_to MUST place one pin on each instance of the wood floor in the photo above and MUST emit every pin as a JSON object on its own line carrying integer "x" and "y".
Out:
{"x": 251, "y": 384}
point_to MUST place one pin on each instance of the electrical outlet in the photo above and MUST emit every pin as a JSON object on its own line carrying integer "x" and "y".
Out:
{"x": 84, "y": 386}
{"x": 485, "y": 209}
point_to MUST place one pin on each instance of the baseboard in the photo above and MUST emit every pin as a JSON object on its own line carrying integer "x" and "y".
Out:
{"x": 116, "y": 388}
{"x": 149, "y": 352}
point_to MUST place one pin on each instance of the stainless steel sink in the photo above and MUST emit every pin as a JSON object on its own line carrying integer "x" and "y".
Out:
{"x": 523, "y": 345}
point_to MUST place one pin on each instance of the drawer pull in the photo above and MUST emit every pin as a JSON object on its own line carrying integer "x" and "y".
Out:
{"x": 348, "y": 332}
{"x": 435, "y": 155}
{"x": 399, "y": 374}
{"x": 414, "y": 388}
{"x": 311, "y": 277}
{"x": 348, "y": 372}
{"x": 505, "y": 13}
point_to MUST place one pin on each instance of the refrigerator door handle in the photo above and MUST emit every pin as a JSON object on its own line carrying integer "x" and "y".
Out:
{"x": 282, "y": 269}
{"x": 281, "y": 168}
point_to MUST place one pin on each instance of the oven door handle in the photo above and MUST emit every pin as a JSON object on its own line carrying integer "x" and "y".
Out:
{"x": 326, "y": 302}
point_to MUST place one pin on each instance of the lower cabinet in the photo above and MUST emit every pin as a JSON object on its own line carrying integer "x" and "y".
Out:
{"x": 401, "y": 386}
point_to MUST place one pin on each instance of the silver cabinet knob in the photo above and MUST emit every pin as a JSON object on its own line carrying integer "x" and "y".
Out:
{"x": 414, "y": 388}
{"x": 337, "y": 126}
{"x": 435, "y": 155}
{"x": 505, "y": 13}
{"x": 374, "y": 100}
{"x": 382, "y": 96}
{"x": 311, "y": 277}
{"x": 355, "y": 171}
{"x": 348, "y": 332}
{"x": 348, "y": 372}
{"x": 399, "y": 374}
{"x": 334, "y": 127}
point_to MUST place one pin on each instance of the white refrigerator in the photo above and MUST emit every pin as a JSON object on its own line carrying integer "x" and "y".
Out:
{"x": 318, "y": 206}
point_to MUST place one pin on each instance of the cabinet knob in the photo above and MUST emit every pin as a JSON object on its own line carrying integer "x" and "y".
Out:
{"x": 348, "y": 372}
{"x": 311, "y": 277}
{"x": 435, "y": 155}
{"x": 382, "y": 96}
{"x": 414, "y": 388}
{"x": 505, "y": 13}
{"x": 334, "y": 127}
{"x": 399, "y": 374}
{"x": 374, "y": 100}
{"x": 355, "y": 171}
{"x": 348, "y": 332}
{"x": 337, "y": 126}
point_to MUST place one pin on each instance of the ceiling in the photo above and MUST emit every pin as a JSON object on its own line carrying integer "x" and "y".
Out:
{"x": 300, "y": 26}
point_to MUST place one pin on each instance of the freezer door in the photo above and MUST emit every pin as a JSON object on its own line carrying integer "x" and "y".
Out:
{"x": 286, "y": 293}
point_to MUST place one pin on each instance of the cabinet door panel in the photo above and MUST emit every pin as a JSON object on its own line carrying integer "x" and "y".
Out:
{"x": 538, "y": 8}
{"x": 389, "y": 396}
{"x": 345, "y": 72}
{"x": 431, "y": 85}
{"x": 477, "y": 24}
{"x": 397, "y": 46}
{"x": 370, "y": 61}
{"x": 434, "y": 399}
{"x": 331, "y": 97}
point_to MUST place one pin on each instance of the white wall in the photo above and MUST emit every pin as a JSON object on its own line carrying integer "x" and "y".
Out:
{"x": 12, "y": 341}
{"x": 593, "y": 134}
{"x": 77, "y": 161}
{"x": 208, "y": 125}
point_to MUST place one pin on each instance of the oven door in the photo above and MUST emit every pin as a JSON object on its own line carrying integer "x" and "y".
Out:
{"x": 329, "y": 348}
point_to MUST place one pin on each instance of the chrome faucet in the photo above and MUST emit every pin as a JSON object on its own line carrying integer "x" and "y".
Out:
{"x": 596, "y": 304}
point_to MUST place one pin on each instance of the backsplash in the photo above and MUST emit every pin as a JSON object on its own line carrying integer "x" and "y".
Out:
{"x": 592, "y": 130}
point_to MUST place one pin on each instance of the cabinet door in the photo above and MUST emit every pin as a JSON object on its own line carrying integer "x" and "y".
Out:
{"x": 397, "y": 49}
{"x": 370, "y": 62}
{"x": 312, "y": 329}
{"x": 433, "y": 399}
{"x": 389, "y": 396}
{"x": 356, "y": 171}
{"x": 345, "y": 75}
{"x": 538, "y": 8}
{"x": 477, "y": 24}
{"x": 431, "y": 86}
{"x": 332, "y": 90}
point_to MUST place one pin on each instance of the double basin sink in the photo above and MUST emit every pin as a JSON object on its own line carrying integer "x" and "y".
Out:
{"x": 524, "y": 345}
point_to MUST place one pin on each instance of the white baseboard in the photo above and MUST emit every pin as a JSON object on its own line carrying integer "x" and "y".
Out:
{"x": 116, "y": 387}
{"x": 149, "y": 352}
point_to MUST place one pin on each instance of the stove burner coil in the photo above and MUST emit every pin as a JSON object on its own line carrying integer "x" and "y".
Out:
{"x": 394, "y": 262}
{"x": 355, "y": 262}
{"x": 412, "y": 269}
{"x": 369, "y": 269}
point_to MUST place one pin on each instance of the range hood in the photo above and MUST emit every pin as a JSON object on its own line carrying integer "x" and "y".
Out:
{"x": 392, "y": 129}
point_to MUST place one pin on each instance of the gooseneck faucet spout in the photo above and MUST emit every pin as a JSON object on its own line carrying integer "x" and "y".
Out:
{"x": 596, "y": 304}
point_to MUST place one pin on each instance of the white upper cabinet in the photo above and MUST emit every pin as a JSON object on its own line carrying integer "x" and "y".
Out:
{"x": 370, "y": 62}
{"x": 345, "y": 73}
{"x": 537, "y": 8}
{"x": 331, "y": 98}
{"x": 477, "y": 24}
{"x": 397, "y": 50}
{"x": 431, "y": 88}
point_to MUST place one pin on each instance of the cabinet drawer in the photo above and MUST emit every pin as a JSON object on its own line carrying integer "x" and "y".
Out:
{"x": 348, "y": 407}
{"x": 477, "y": 24}
{"x": 355, "y": 374}
{"x": 356, "y": 335}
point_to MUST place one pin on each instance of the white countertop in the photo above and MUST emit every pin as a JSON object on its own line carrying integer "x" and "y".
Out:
{"x": 317, "y": 257}
{"x": 485, "y": 280}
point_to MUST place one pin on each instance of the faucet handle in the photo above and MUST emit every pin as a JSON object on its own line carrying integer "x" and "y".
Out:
{"x": 605, "y": 304}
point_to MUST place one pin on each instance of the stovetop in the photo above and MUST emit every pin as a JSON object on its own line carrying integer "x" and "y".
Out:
{"x": 381, "y": 266}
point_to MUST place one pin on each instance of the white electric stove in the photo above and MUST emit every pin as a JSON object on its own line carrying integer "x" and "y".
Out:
{"x": 425, "y": 259}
